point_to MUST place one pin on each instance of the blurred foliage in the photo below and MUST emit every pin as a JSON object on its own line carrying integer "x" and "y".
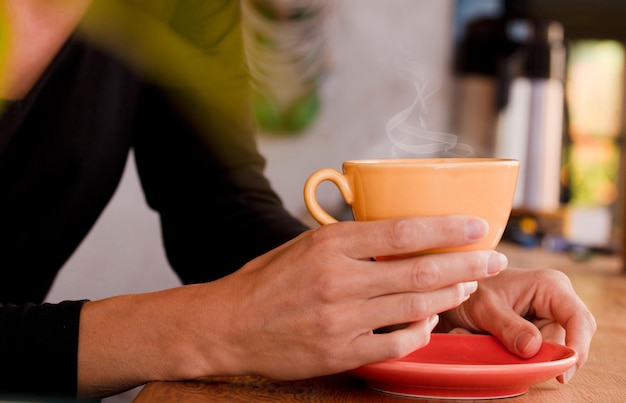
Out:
{"x": 3, "y": 51}
{"x": 596, "y": 107}
{"x": 593, "y": 167}
{"x": 191, "y": 48}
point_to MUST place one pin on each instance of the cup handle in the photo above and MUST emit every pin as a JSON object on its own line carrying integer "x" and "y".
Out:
{"x": 310, "y": 189}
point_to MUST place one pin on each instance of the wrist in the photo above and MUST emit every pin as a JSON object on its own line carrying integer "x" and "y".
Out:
{"x": 126, "y": 341}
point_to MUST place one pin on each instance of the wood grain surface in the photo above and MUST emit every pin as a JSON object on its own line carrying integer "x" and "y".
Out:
{"x": 600, "y": 282}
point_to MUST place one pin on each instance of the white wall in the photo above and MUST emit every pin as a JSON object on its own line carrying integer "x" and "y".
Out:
{"x": 123, "y": 252}
{"x": 365, "y": 88}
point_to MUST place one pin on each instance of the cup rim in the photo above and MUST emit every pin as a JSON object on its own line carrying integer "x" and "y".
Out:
{"x": 439, "y": 161}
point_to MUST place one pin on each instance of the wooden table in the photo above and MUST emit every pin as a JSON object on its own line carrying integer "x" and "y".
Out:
{"x": 600, "y": 282}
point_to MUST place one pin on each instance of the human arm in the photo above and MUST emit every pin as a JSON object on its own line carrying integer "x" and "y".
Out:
{"x": 304, "y": 309}
{"x": 522, "y": 308}
{"x": 196, "y": 151}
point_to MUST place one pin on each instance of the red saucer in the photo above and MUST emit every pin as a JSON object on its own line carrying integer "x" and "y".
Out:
{"x": 463, "y": 366}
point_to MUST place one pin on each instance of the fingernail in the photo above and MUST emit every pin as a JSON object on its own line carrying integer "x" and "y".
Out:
{"x": 470, "y": 287}
{"x": 432, "y": 322}
{"x": 497, "y": 263}
{"x": 476, "y": 228}
{"x": 569, "y": 374}
{"x": 523, "y": 341}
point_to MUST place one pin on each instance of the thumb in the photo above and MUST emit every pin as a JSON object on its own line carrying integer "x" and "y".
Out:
{"x": 518, "y": 335}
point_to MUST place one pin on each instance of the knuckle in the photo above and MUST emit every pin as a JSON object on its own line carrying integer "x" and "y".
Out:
{"x": 402, "y": 236}
{"x": 327, "y": 287}
{"x": 321, "y": 236}
{"x": 416, "y": 307}
{"x": 425, "y": 274}
{"x": 556, "y": 276}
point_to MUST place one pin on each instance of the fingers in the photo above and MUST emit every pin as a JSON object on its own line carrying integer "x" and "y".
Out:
{"x": 557, "y": 309}
{"x": 459, "y": 330}
{"x": 386, "y": 346}
{"x": 346, "y": 296}
{"x": 516, "y": 333}
{"x": 525, "y": 338}
{"x": 548, "y": 308}
{"x": 579, "y": 324}
{"x": 550, "y": 330}
{"x": 412, "y": 306}
{"x": 362, "y": 240}
{"x": 429, "y": 272}
{"x": 343, "y": 250}
{"x": 408, "y": 290}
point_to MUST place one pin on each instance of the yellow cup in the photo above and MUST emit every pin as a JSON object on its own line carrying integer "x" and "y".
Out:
{"x": 389, "y": 188}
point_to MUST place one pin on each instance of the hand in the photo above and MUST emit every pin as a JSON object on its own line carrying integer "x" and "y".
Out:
{"x": 305, "y": 309}
{"x": 310, "y": 307}
{"x": 523, "y": 307}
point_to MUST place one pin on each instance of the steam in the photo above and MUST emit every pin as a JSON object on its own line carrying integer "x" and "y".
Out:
{"x": 407, "y": 130}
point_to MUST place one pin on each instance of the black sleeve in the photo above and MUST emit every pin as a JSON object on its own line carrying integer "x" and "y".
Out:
{"x": 39, "y": 349}
{"x": 196, "y": 154}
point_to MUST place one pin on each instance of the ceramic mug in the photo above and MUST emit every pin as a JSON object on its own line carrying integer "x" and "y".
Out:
{"x": 389, "y": 188}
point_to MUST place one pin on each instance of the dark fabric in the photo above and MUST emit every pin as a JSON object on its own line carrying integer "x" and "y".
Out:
{"x": 61, "y": 166}
{"x": 22, "y": 330}
{"x": 64, "y": 147}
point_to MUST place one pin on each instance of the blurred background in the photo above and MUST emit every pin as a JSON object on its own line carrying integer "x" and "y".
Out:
{"x": 358, "y": 89}
{"x": 541, "y": 81}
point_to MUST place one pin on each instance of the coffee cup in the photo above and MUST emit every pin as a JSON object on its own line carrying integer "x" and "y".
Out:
{"x": 380, "y": 189}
